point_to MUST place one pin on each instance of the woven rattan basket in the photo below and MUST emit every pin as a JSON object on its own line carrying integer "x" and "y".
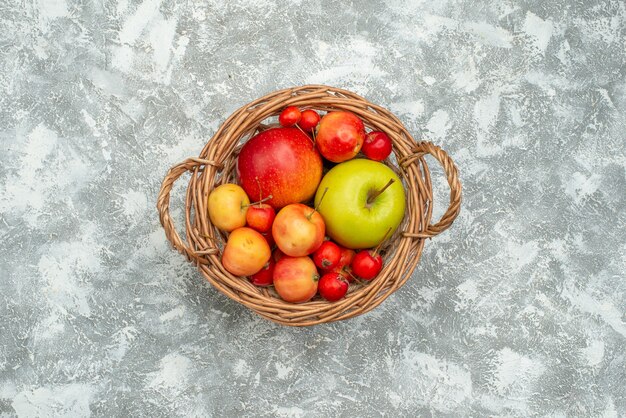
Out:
{"x": 216, "y": 165}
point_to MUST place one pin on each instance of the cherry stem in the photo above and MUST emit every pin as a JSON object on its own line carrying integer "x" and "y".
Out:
{"x": 302, "y": 130}
{"x": 381, "y": 243}
{"x": 265, "y": 199}
{"x": 377, "y": 193}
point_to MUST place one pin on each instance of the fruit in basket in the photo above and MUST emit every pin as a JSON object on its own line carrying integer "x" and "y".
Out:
{"x": 343, "y": 266}
{"x": 365, "y": 201}
{"x": 298, "y": 230}
{"x": 228, "y": 206}
{"x": 377, "y": 146}
{"x": 347, "y": 255}
{"x": 295, "y": 279}
{"x": 327, "y": 256}
{"x": 265, "y": 276}
{"x": 246, "y": 252}
{"x": 309, "y": 120}
{"x": 332, "y": 286}
{"x": 289, "y": 116}
{"x": 218, "y": 167}
{"x": 367, "y": 264}
{"x": 260, "y": 217}
{"x": 281, "y": 162}
{"x": 340, "y": 135}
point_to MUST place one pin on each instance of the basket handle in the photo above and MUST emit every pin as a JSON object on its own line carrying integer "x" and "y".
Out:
{"x": 163, "y": 203}
{"x": 452, "y": 175}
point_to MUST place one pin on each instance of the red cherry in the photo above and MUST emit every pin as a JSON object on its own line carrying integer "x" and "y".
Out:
{"x": 366, "y": 264}
{"x": 343, "y": 267}
{"x": 264, "y": 277}
{"x": 260, "y": 217}
{"x": 289, "y": 116}
{"x": 327, "y": 256}
{"x": 377, "y": 146}
{"x": 332, "y": 286}
{"x": 310, "y": 119}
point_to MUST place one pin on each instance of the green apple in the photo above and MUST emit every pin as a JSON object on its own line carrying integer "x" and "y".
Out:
{"x": 364, "y": 203}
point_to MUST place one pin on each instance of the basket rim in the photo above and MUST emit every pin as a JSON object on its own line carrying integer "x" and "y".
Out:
{"x": 216, "y": 164}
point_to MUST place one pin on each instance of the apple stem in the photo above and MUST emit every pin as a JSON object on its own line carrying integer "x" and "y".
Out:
{"x": 260, "y": 189}
{"x": 318, "y": 203}
{"x": 377, "y": 193}
{"x": 265, "y": 199}
{"x": 380, "y": 243}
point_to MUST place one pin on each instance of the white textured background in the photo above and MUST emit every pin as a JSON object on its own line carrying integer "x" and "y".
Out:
{"x": 517, "y": 310}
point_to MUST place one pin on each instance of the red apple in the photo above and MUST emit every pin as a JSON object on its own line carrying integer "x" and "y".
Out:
{"x": 286, "y": 164}
{"x": 332, "y": 286}
{"x": 265, "y": 276}
{"x": 377, "y": 146}
{"x": 340, "y": 136}
{"x": 309, "y": 120}
{"x": 366, "y": 264}
{"x": 295, "y": 279}
{"x": 246, "y": 252}
{"x": 260, "y": 217}
{"x": 327, "y": 256}
{"x": 289, "y": 117}
{"x": 298, "y": 230}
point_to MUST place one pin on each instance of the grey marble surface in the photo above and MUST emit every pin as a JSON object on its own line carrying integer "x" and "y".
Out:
{"x": 517, "y": 310}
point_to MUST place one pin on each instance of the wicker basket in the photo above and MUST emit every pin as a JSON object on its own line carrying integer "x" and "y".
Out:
{"x": 216, "y": 165}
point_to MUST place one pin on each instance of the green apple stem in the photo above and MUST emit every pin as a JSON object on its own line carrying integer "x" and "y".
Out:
{"x": 265, "y": 199}
{"x": 318, "y": 204}
{"x": 377, "y": 193}
{"x": 381, "y": 243}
